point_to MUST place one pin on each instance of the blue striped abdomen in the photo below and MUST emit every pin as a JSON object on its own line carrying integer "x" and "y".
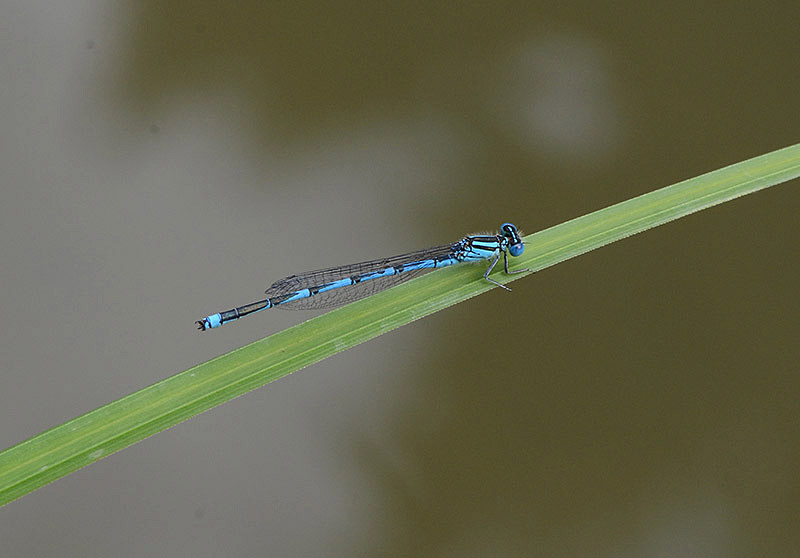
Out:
{"x": 334, "y": 286}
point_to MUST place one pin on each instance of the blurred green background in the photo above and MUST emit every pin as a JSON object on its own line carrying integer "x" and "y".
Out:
{"x": 162, "y": 161}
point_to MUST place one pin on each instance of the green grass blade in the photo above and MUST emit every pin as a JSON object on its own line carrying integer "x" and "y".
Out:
{"x": 81, "y": 441}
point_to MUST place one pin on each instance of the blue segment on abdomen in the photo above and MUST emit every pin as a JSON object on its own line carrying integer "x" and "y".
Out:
{"x": 335, "y": 285}
{"x": 388, "y": 272}
{"x": 422, "y": 264}
{"x": 302, "y": 293}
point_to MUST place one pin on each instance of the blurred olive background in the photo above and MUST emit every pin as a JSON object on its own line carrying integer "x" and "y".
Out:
{"x": 163, "y": 161}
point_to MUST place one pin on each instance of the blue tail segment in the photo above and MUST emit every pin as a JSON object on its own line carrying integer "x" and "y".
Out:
{"x": 335, "y": 286}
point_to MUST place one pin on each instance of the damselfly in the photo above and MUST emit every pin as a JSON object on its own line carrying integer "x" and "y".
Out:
{"x": 328, "y": 288}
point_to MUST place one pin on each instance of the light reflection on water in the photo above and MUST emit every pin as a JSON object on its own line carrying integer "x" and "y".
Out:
{"x": 165, "y": 159}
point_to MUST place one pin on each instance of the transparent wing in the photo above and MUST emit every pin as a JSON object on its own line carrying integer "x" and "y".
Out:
{"x": 350, "y": 293}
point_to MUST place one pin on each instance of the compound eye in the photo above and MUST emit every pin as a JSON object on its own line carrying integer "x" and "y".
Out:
{"x": 516, "y": 249}
{"x": 508, "y": 229}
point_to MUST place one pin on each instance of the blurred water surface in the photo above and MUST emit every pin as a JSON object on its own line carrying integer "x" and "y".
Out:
{"x": 161, "y": 162}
